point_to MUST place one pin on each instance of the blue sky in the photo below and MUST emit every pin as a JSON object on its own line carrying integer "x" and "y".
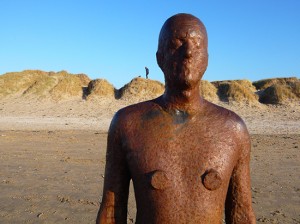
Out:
{"x": 115, "y": 40}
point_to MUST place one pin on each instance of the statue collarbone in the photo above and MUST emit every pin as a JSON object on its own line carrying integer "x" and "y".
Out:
{"x": 180, "y": 116}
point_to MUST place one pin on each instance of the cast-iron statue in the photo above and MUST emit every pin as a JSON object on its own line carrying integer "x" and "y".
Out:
{"x": 188, "y": 158}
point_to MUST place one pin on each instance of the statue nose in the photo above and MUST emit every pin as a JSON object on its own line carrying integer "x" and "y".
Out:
{"x": 188, "y": 49}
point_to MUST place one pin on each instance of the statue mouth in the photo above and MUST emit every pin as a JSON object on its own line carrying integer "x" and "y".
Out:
{"x": 185, "y": 69}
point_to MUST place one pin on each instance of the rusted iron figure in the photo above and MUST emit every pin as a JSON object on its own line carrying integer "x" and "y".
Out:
{"x": 188, "y": 158}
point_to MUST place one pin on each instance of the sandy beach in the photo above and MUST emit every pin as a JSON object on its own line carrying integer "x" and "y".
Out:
{"x": 53, "y": 158}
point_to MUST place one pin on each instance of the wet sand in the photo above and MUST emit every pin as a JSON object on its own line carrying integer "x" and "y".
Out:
{"x": 57, "y": 176}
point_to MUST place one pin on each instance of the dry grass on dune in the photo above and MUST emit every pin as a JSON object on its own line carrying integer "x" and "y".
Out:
{"x": 15, "y": 83}
{"x": 265, "y": 83}
{"x": 247, "y": 84}
{"x": 68, "y": 86}
{"x": 208, "y": 91}
{"x": 279, "y": 90}
{"x": 57, "y": 86}
{"x": 278, "y": 94}
{"x": 141, "y": 89}
{"x": 295, "y": 87}
{"x": 42, "y": 85}
{"x": 85, "y": 80}
{"x": 100, "y": 88}
{"x": 240, "y": 91}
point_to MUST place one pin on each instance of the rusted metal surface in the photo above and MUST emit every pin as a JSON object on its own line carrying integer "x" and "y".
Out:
{"x": 188, "y": 158}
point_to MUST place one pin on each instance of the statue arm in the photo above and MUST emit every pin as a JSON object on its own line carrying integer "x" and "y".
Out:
{"x": 113, "y": 207}
{"x": 238, "y": 208}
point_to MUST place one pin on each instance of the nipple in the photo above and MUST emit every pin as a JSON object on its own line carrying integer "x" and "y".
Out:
{"x": 212, "y": 179}
{"x": 159, "y": 180}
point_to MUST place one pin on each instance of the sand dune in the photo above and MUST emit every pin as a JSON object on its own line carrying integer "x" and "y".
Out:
{"x": 35, "y": 99}
{"x": 64, "y": 86}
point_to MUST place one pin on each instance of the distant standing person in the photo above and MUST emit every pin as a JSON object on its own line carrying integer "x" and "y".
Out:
{"x": 147, "y": 72}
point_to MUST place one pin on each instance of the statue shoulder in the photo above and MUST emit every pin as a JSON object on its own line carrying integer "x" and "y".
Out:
{"x": 233, "y": 127}
{"x": 131, "y": 115}
{"x": 237, "y": 127}
{"x": 229, "y": 120}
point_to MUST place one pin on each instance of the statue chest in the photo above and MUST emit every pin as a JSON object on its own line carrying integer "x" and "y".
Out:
{"x": 179, "y": 155}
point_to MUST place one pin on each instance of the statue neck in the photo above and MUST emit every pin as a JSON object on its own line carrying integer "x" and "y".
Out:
{"x": 188, "y": 101}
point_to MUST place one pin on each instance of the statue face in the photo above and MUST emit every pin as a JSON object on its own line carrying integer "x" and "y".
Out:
{"x": 183, "y": 55}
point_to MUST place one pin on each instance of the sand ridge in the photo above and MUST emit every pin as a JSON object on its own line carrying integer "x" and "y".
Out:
{"x": 96, "y": 114}
{"x": 57, "y": 86}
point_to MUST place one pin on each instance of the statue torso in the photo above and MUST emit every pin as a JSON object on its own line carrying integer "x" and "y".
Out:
{"x": 180, "y": 165}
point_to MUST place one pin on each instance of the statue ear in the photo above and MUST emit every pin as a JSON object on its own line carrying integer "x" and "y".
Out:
{"x": 159, "y": 59}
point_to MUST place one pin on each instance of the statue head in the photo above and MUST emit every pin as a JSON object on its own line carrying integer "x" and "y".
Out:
{"x": 182, "y": 51}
